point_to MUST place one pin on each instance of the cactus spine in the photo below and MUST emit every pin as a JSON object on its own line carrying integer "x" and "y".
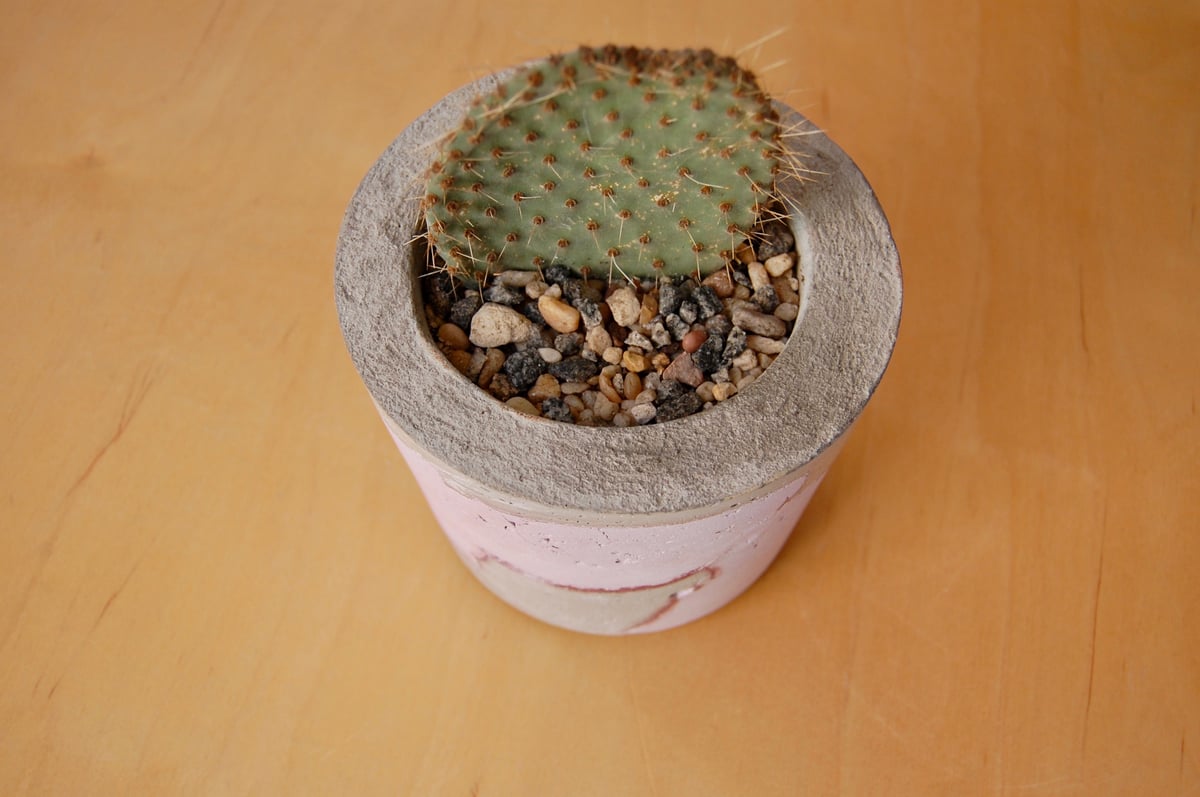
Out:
{"x": 643, "y": 161}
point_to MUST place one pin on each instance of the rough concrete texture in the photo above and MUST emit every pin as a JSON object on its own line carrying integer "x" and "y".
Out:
{"x": 805, "y": 401}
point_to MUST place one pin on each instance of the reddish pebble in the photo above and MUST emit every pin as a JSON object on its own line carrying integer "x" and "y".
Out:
{"x": 693, "y": 340}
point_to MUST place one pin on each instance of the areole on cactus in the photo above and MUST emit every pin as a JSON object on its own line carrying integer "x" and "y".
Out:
{"x": 615, "y": 160}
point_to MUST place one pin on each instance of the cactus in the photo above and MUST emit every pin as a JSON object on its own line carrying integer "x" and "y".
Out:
{"x": 643, "y": 161}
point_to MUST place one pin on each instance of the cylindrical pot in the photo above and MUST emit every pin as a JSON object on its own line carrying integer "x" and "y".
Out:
{"x": 621, "y": 530}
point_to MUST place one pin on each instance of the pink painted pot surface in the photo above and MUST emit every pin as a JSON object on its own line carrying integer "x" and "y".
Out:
{"x": 606, "y": 578}
{"x": 617, "y": 531}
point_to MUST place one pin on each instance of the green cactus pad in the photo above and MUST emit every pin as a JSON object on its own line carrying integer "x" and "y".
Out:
{"x": 616, "y": 160}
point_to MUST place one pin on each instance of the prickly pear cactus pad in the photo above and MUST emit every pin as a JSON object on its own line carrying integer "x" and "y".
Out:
{"x": 622, "y": 161}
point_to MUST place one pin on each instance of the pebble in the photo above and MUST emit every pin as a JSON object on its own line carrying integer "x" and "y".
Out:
{"x": 649, "y": 309}
{"x": 574, "y": 402}
{"x": 496, "y": 325}
{"x": 723, "y": 390}
{"x": 746, "y": 381}
{"x": 683, "y": 369}
{"x": 784, "y": 290}
{"x": 669, "y": 297}
{"x": 677, "y": 326}
{"x": 535, "y": 289}
{"x": 440, "y": 293}
{"x": 605, "y": 408}
{"x": 574, "y": 369}
{"x": 549, "y": 354}
{"x": 719, "y": 324}
{"x": 766, "y": 298}
{"x": 558, "y": 273}
{"x": 707, "y": 302}
{"x": 659, "y": 335}
{"x": 787, "y": 312}
{"x": 608, "y": 389}
{"x": 642, "y": 414}
{"x": 623, "y": 419}
{"x": 590, "y": 311}
{"x": 720, "y": 282}
{"x": 598, "y": 339}
{"x": 745, "y": 361}
{"x": 502, "y": 387}
{"x": 693, "y": 339}
{"x": 632, "y": 385}
{"x": 491, "y": 366}
{"x": 744, "y": 253}
{"x": 626, "y": 309}
{"x": 766, "y": 345}
{"x": 516, "y": 278}
{"x": 558, "y": 314}
{"x": 501, "y": 294}
{"x": 680, "y": 406}
{"x": 612, "y": 355}
{"x": 523, "y": 368}
{"x": 634, "y": 361}
{"x": 758, "y": 275}
{"x": 460, "y": 359}
{"x": 778, "y": 265}
{"x": 463, "y": 309}
{"x": 660, "y": 361}
{"x": 568, "y": 344}
{"x": 709, "y": 356}
{"x": 544, "y": 388}
{"x": 735, "y": 343}
{"x": 689, "y": 311}
{"x": 557, "y": 410}
{"x": 635, "y": 338}
{"x": 758, "y": 323}
{"x": 521, "y": 404}
{"x": 453, "y": 336}
{"x": 571, "y": 388}
{"x": 775, "y": 239}
{"x": 742, "y": 292}
{"x": 705, "y": 391}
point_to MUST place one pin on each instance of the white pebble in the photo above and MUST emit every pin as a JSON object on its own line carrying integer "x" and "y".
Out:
{"x": 643, "y": 413}
{"x": 779, "y": 265}
{"x": 746, "y": 359}
{"x": 521, "y": 404}
{"x": 495, "y": 325}
{"x": 598, "y": 339}
{"x": 758, "y": 275}
{"x": 550, "y": 355}
{"x": 761, "y": 344}
{"x": 570, "y": 388}
{"x": 516, "y": 278}
{"x": 535, "y": 289}
{"x": 787, "y": 311}
{"x": 625, "y": 306}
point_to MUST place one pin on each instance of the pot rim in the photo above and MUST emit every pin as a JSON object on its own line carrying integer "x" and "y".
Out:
{"x": 802, "y": 404}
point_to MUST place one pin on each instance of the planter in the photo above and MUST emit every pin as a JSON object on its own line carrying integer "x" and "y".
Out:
{"x": 627, "y": 530}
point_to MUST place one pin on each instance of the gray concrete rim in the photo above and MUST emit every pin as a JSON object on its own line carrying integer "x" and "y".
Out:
{"x": 804, "y": 402}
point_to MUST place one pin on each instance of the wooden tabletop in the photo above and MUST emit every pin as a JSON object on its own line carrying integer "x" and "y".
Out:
{"x": 217, "y": 576}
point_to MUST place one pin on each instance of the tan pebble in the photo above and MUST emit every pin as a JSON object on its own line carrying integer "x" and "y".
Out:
{"x": 682, "y": 369}
{"x": 647, "y": 396}
{"x": 574, "y": 402}
{"x": 633, "y": 361}
{"x": 744, "y": 253}
{"x": 741, "y": 292}
{"x": 720, "y": 282}
{"x": 521, "y": 404}
{"x": 606, "y": 387}
{"x": 694, "y": 340}
{"x": 535, "y": 289}
{"x": 453, "y": 336}
{"x": 736, "y": 372}
{"x": 622, "y": 419}
{"x": 705, "y": 391}
{"x": 589, "y": 398}
{"x": 610, "y": 370}
{"x": 558, "y": 314}
{"x": 550, "y": 354}
{"x": 795, "y": 283}
{"x": 612, "y": 355}
{"x": 745, "y": 381}
{"x": 478, "y": 358}
{"x": 649, "y": 309}
{"x": 632, "y": 386}
{"x": 755, "y": 372}
{"x": 723, "y": 390}
{"x": 762, "y": 344}
{"x": 553, "y": 291}
{"x": 660, "y": 361}
{"x": 758, "y": 323}
{"x": 643, "y": 413}
{"x": 516, "y": 278}
{"x": 495, "y": 325}
{"x": 598, "y": 339}
{"x": 604, "y": 408}
{"x": 460, "y": 360}
{"x": 545, "y": 387}
{"x": 787, "y": 312}
{"x": 625, "y": 306}
{"x": 758, "y": 275}
{"x": 586, "y": 418}
{"x": 764, "y": 360}
{"x": 746, "y": 359}
{"x": 783, "y": 289}
{"x": 779, "y": 265}
{"x": 573, "y": 387}
{"x": 491, "y": 366}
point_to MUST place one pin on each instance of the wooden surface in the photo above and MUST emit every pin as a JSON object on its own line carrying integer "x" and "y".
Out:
{"x": 218, "y": 577}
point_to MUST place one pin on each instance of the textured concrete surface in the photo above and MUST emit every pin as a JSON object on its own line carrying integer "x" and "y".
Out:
{"x": 809, "y": 396}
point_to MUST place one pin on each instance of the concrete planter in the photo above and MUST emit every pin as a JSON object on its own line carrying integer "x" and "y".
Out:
{"x": 611, "y": 530}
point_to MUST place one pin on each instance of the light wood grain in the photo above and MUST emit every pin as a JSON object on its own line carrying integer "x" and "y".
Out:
{"x": 218, "y": 577}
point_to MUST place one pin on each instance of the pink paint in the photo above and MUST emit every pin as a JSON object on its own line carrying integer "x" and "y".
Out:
{"x": 613, "y": 574}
